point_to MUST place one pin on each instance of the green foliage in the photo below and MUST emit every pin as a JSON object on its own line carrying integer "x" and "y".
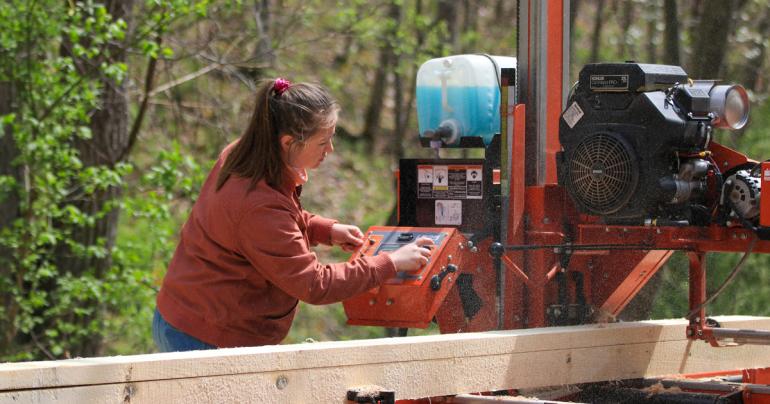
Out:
{"x": 48, "y": 312}
{"x": 51, "y": 112}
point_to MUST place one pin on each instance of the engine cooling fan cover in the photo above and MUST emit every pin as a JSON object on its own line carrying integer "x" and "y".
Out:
{"x": 602, "y": 173}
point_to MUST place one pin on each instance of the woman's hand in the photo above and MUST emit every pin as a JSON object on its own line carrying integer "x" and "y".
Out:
{"x": 347, "y": 236}
{"x": 413, "y": 255}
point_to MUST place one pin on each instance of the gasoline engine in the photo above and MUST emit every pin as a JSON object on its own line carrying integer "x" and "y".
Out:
{"x": 636, "y": 148}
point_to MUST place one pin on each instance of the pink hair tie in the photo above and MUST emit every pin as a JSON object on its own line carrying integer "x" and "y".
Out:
{"x": 280, "y": 86}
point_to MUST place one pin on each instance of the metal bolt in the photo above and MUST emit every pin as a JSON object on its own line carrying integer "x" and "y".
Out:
{"x": 606, "y": 229}
{"x": 461, "y": 246}
{"x": 449, "y": 279}
{"x": 372, "y": 302}
{"x": 479, "y": 269}
{"x": 743, "y": 236}
{"x": 546, "y": 220}
{"x": 389, "y": 302}
{"x": 281, "y": 382}
{"x": 474, "y": 249}
{"x": 449, "y": 258}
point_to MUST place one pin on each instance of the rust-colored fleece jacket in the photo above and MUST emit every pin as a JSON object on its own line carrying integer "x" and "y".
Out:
{"x": 244, "y": 260}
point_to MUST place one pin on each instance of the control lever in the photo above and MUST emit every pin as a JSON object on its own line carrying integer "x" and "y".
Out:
{"x": 435, "y": 281}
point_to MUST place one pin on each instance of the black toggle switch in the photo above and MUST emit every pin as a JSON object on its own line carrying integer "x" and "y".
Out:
{"x": 436, "y": 280}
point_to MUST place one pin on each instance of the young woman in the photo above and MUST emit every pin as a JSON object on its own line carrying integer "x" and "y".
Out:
{"x": 243, "y": 260}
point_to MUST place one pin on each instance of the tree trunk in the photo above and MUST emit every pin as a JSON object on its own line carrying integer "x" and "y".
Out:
{"x": 108, "y": 145}
{"x": 262, "y": 19}
{"x": 596, "y": 37}
{"x": 625, "y": 49}
{"x": 652, "y": 32}
{"x": 753, "y": 67}
{"x": 377, "y": 94}
{"x": 470, "y": 24}
{"x": 671, "y": 33}
{"x": 710, "y": 40}
{"x": 574, "y": 11}
{"x": 448, "y": 13}
{"x": 376, "y": 97}
{"x": 400, "y": 111}
{"x": 9, "y": 212}
{"x": 9, "y": 206}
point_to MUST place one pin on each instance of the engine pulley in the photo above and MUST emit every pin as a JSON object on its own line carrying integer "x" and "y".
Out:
{"x": 743, "y": 191}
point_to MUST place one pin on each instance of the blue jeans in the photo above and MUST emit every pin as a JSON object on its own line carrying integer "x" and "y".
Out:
{"x": 169, "y": 339}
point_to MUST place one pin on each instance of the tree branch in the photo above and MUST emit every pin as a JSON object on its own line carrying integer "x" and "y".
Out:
{"x": 148, "y": 79}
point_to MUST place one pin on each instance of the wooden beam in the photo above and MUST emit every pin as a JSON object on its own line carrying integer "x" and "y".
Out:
{"x": 414, "y": 367}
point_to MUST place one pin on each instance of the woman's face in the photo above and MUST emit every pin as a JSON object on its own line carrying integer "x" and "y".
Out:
{"x": 314, "y": 150}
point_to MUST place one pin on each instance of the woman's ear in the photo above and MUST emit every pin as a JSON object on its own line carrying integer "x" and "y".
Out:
{"x": 286, "y": 142}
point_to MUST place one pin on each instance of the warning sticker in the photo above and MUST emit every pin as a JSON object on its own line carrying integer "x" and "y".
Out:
{"x": 449, "y": 212}
{"x": 449, "y": 182}
{"x": 573, "y": 114}
{"x": 424, "y": 182}
{"x": 473, "y": 183}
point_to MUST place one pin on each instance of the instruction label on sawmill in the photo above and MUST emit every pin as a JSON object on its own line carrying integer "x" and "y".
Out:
{"x": 448, "y": 212}
{"x": 456, "y": 181}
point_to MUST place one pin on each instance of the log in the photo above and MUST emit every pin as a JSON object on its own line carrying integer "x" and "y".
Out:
{"x": 414, "y": 367}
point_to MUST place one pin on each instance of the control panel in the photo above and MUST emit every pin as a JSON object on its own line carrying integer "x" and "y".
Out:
{"x": 379, "y": 241}
{"x": 411, "y": 298}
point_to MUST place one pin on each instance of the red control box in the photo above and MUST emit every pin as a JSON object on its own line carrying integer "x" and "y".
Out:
{"x": 412, "y": 298}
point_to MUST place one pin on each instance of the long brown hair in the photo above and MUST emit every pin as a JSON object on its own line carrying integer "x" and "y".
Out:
{"x": 300, "y": 110}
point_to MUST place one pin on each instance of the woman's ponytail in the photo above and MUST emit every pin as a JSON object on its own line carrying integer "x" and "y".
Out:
{"x": 281, "y": 108}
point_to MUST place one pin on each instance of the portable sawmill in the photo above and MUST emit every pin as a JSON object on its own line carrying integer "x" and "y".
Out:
{"x": 584, "y": 192}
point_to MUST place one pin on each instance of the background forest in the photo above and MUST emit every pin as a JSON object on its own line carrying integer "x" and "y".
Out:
{"x": 112, "y": 112}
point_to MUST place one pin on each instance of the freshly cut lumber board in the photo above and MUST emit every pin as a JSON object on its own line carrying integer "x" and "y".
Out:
{"x": 414, "y": 367}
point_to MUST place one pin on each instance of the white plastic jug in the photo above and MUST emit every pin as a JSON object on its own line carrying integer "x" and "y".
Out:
{"x": 461, "y": 95}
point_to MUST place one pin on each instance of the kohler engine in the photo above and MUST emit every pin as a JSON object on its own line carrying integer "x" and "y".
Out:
{"x": 635, "y": 143}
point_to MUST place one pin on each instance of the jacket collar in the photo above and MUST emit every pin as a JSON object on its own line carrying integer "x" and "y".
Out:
{"x": 293, "y": 178}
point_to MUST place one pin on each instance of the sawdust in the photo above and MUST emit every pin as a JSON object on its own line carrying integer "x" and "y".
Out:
{"x": 658, "y": 388}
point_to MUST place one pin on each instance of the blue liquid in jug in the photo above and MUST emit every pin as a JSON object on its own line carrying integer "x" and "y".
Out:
{"x": 476, "y": 108}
